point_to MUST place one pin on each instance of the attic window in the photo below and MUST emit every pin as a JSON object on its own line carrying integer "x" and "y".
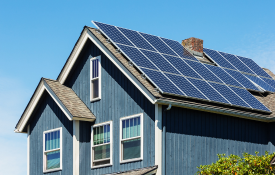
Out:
{"x": 95, "y": 78}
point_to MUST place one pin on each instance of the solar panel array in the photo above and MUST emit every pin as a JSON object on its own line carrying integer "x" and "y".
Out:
{"x": 173, "y": 70}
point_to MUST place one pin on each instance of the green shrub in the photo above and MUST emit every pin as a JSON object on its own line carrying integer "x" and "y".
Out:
{"x": 233, "y": 164}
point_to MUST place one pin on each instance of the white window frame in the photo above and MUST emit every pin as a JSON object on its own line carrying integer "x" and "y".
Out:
{"x": 44, "y": 152}
{"x": 141, "y": 138}
{"x": 99, "y": 78}
{"x": 111, "y": 144}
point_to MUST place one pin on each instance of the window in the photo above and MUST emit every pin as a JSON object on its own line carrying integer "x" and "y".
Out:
{"x": 52, "y": 150}
{"x": 95, "y": 74}
{"x": 102, "y": 145}
{"x": 131, "y": 138}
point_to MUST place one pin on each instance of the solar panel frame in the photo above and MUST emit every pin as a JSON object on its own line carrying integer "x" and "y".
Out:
{"x": 271, "y": 82}
{"x": 261, "y": 83}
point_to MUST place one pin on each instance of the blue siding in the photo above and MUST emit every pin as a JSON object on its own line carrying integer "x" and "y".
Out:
{"x": 49, "y": 116}
{"x": 120, "y": 98}
{"x": 195, "y": 138}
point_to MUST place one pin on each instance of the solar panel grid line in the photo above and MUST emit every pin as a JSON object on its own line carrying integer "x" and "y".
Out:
{"x": 169, "y": 47}
{"x": 227, "y": 60}
{"x": 262, "y": 84}
{"x": 245, "y": 64}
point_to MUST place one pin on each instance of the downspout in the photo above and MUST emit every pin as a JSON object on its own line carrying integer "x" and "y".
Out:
{"x": 164, "y": 139}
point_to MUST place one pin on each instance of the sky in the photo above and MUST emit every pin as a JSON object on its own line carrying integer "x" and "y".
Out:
{"x": 36, "y": 38}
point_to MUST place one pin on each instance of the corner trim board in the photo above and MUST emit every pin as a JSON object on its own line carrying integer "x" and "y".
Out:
{"x": 158, "y": 138}
{"x": 76, "y": 136}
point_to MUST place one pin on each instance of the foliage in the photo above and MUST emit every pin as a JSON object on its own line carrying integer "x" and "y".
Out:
{"x": 236, "y": 165}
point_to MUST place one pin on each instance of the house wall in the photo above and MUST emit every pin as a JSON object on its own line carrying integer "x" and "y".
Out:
{"x": 194, "y": 138}
{"x": 49, "y": 116}
{"x": 120, "y": 98}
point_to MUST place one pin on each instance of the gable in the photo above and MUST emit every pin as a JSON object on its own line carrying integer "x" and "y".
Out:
{"x": 64, "y": 97}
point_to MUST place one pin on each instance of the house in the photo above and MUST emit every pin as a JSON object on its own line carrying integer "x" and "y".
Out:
{"x": 107, "y": 114}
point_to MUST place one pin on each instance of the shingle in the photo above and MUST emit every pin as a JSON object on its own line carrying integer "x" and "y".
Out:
{"x": 70, "y": 100}
{"x": 142, "y": 171}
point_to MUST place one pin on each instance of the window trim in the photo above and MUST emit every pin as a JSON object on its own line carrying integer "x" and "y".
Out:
{"x": 111, "y": 144}
{"x": 141, "y": 138}
{"x": 99, "y": 78}
{"x": 44, "y": 152}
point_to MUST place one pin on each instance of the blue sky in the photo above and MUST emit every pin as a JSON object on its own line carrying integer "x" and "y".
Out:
{"x": 36, "y": 38}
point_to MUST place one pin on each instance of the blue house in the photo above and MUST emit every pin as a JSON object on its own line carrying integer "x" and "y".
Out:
{"x": 128, "y": 103}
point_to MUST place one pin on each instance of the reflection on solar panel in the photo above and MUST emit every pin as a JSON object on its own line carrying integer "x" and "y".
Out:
{"x": 242, "y": 79}
{"x": 175, "y": 71}
{"x": 224, "y": 76}
{"x": 261, "y": 83}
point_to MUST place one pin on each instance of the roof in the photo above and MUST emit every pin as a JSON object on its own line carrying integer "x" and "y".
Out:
{"x": 268, "y": 101}
{"x": 72, "y": 106}
{"x": 142, "y": 171}
{"x": 70, "y": 100}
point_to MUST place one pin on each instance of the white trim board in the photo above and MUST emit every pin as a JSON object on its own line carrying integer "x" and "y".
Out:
{"x": 158, "y": 137}
{"x": 76, "y": 136}
{"x": 86, "y": 34}
{"x": 33, "y": 103}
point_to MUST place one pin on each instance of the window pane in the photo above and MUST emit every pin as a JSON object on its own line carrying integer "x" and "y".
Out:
{"x": 95, "y": 88}
{"x": 53, "y": 160}
{"x": 95, "y": 68}
{"x": 101, "y": 134}
{"x": 131, "y": 149}
{"x": 102, "y": 152}
{"x": 52, "y": 140}
{"x": 131, "y": 128}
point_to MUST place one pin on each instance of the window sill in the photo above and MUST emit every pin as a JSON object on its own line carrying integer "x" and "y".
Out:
{"x": 95, "y": 99}
{"x": 100, "y": 166}
{"x": 131, "y": 160}
{"x": 52, "y": 170}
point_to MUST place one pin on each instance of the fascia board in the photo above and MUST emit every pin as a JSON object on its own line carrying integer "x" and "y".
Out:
{"x": 33, "y": 103}
{"x": 86, "y": 34}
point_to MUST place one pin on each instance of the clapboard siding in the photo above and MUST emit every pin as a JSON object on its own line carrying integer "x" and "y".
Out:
{"x": 120, "y": 98}
{"x": 49, "y": 116}
{"x": 195, "y": 138}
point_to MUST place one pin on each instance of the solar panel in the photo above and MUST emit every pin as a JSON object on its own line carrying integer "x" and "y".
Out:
{"x": 208, "y": 91}
{"x": 159, "y": 61}
{"x": 229, "y": 95}
{"x": 162, "y": 82}
{"x": 269, "y": 81}
{"x": 136, "y": 39}
{"x": 261, "y": 83}
{"x": 254, "y": 66}
{"x": 242, "y": 79}
{"x": 186, "y": 86}
{"x": 224, "y": 76}
{"x": 173, "y": 70}
{"x": 179, "y": 49}
{"x": 250, "y": 99}
{"x": 157, "y": 43}
{"x": 136, "y": 56}
{"x": 217, "y": 58}
{"x": 203, "y": 71}
{"x": 113, "y": 33}
{"x": 236, "y": 62}
{"x": 184, "y": 68}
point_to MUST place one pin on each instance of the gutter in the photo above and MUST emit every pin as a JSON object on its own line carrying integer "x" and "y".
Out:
{"x": 244, "y": 115}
